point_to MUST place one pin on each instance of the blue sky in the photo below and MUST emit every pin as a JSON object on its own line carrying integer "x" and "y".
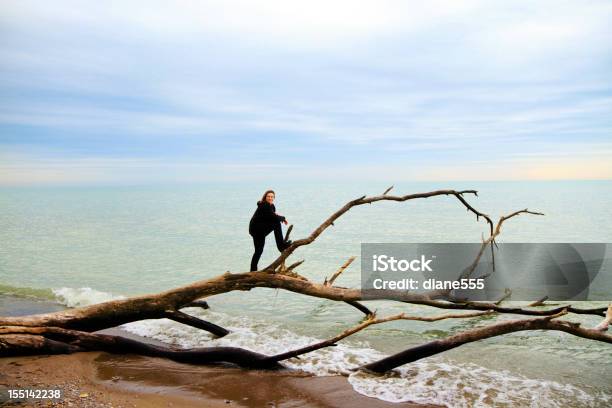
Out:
{"x": 187, "y": 91}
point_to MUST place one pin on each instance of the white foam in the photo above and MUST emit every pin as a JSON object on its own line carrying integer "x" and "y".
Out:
{"x": 426, "y": 381}
{"x": 258, "y": 336}
{"x": 77, "y": 297}
{"x": 468, "y": 385}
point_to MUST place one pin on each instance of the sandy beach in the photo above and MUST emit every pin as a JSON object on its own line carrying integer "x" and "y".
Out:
{"x": 98, "y": 379}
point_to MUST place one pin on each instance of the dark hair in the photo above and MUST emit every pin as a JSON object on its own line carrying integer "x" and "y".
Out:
{"x": 263, "y": 198}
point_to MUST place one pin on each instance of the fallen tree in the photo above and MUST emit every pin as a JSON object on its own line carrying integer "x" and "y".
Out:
{"x": 73, "y": 330}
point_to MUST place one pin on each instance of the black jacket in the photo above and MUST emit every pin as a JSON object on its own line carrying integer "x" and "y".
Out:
{"x": 264, "y": 219}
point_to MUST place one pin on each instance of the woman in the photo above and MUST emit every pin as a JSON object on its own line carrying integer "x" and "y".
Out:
{"x": 264, "y": 221}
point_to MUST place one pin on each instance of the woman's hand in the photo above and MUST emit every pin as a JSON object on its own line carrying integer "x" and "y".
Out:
{"x": 285, "y": 221}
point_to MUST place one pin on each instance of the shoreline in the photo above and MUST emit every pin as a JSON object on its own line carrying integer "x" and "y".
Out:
{"x": 101, "y": 379}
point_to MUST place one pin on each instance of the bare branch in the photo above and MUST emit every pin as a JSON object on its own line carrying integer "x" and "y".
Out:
{"x": 368, "y": 200}
{"x": 361, "y": 307}
{"x": 355, "y": 304}
{"x": 198, "y": 303}
{"x": 603, "y": 326}
{"x": 366, "y": 323}
{"x": 153, "y": 306}
{"x": 480, "y": 333}
{"x": 490, "y": 241}
{"x": 539, "y": 302}
{"x": 193, "y": 321}
{"x": 294, "y": 265}
{"x": 507, "y": 293}
{"x": 55, "y": 340}
{"x": 345, "y": 265}
{"x": 288, "y": 232}
{"x": 507, "y": 217}
{"x": 598, "y": 311}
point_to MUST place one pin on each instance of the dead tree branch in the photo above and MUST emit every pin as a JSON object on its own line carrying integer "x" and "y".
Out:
{"x": 193, "y": 321}
{"x": 438, "y": 346}
{"x": 369, "y": 200}
{"x": 20, "y": 340}
{"x": 345, "y": 265}
{"x": 369, "y": 322}
{"x": 605, "y": 323}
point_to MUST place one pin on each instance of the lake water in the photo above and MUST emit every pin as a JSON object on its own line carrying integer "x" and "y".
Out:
{"x": 82, "y": 245}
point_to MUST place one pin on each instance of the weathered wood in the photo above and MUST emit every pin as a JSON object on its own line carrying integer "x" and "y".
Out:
{"x": 57, "y": 340}
{"x": 189, "y": 320}
{"x": 438, "y": 346}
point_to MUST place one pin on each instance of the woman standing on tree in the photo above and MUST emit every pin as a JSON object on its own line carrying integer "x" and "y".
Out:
{"x": 264, "y": 221}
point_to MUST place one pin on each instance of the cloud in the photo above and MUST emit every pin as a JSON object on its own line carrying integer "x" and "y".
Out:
{"x": 310, "y": 24}
{"x": 311, "y": 84}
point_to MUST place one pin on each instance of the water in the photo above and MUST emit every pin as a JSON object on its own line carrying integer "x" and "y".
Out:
{"x": 84, "y": 245}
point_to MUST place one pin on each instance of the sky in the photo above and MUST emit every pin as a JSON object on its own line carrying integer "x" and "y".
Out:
{"x": 134, "y": 92}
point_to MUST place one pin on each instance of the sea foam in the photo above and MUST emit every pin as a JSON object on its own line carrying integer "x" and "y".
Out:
{"x": 78, "y": 297}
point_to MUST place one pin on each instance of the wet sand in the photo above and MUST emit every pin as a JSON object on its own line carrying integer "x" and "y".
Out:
{"x": 100, "y": 379}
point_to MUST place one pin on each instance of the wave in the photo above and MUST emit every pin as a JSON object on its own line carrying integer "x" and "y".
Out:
{"x": 77, "y": 297}
{"x": 70, "y": 297}
{"x": 466, "y": 385}
{"x": 27, "y": 292}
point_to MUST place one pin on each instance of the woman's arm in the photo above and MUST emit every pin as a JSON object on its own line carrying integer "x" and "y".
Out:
{"x": 270, "y": 212}
{"x": 278, "y": 216}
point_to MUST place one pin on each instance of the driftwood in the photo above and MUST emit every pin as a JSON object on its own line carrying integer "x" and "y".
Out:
{"x": 73, "y": 330}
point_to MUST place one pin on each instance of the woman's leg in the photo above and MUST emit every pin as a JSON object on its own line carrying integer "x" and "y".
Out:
{"x": 278, "y": 236}
{"x": 258, "y": 241}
